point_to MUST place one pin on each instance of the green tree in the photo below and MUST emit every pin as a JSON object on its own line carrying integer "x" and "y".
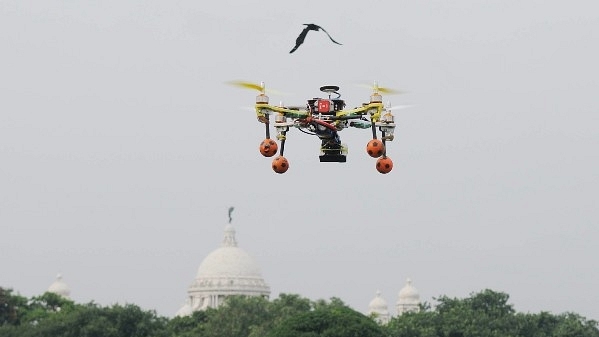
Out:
{"x": 413, "y": 324}
{"x": 190, "y": 326}
{"x": 572, "y": 325}
{"x": 545, "y": 324}
{"x": 287, "y": 305}
{"x": 11, "y": 307}
{"x": 487, "y": 314}
{"x": 280, "y": 309}
{"x": 537, "y": 325}
{"x": 238, "y": 316}
{"x": 89, "y": 320}
{"x": 44, "y": 306}
{"x": 131, "y": 321}
{"x": 333, "y": 319}
{"x": 483, "y": 314}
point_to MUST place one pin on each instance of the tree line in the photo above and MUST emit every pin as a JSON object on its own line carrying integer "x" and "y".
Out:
{"x": 483, "y": 314}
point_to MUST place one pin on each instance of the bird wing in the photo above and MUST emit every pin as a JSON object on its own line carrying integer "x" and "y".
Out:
{"x": 300, "y": 39}
{"x": 329, "y": 36}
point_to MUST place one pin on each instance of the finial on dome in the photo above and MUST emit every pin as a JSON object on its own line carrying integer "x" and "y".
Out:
{"x": 229, "y": 240}
{"x": 231, "y": 211}
{"x": 59, "y": 287}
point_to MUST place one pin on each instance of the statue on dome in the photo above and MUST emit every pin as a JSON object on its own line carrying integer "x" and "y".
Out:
{"x": 231, "y": 211}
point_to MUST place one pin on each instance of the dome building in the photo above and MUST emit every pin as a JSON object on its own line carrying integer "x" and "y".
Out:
{"x": 378, "y": 309}
{"x": 59, "y": 287}
{"x": 408, "y": 299}
{"x": 228, "y": 270}
{"x": 185, "y": 309}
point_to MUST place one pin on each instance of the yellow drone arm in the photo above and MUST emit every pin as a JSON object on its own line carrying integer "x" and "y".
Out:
{"x": 260, "y": 107}
{"x": 374, "y": 109}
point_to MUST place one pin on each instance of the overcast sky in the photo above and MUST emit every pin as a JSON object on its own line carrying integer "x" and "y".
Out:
{"x": 121, "y": 149}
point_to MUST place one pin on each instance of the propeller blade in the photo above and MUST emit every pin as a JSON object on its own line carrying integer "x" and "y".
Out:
{"x": 397, "y": 107}
{"x": 248, "y": 85}
{"x": 389, "y": 91}
{"x": 383, "y": 90}
{"x": 255, "y": 86}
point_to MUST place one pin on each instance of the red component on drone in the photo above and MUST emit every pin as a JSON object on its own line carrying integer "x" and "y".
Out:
{"x": 324, "y": 106}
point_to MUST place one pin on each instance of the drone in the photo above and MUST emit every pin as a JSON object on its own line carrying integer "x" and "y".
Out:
{"x": 325, "y": 118}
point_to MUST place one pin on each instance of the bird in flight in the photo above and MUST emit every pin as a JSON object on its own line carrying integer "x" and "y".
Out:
{"x": 309, "y": 26}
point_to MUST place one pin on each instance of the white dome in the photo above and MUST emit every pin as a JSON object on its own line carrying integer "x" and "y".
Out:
{"x": 59, "y": 287}
{"x": 409, "y": 294}
{"x": 228, "y": 270}
{"x": 378, "y": 309}
{"x": 229, "y": 261}
{"x": 409, "y": 299}
{"x": 378, "y": 304}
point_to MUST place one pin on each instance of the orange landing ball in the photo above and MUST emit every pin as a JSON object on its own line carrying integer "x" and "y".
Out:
{"x": 384, "y": 165}
{"x": 268, "y": 147}
{"x": 375, "y": 148}
{"x": 280, "y": 164}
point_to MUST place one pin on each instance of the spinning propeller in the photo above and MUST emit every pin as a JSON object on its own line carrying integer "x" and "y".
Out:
{"x": 255, "y": 86}
{"x": 383, "y": 90}
{"x": 397, "y": 107}
{"x": 248, "y": 85}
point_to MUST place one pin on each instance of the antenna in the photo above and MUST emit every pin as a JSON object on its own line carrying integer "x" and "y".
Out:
{"x": 330, "y": 89}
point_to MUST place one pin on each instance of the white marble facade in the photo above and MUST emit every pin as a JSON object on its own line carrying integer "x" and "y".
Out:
{"x": 408, "y": 300}
{"x": 228, "y": 270}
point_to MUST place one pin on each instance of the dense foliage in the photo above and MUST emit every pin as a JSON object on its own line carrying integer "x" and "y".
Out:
{"x": 487, "y": 314}
{"x": 483, "y": 314}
